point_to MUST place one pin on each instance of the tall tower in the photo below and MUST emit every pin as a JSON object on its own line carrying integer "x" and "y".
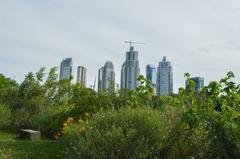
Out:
{"x": 199, "y": 83}
{"x": 164, "y": 78}
{"x": 130, "y": 70}
{"x": 82, "y": 76}
{"x": 106, "y": 77}
{"x": 151, "y": 74}
{"x": 100, "y": 79}
{"x": 66, "y": 69}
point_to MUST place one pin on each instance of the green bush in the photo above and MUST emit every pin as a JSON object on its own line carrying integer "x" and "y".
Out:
{"x": 49, "y": 123}
{"x": 128, "y": 133}
{"x": 5, "y": 116}
{"x": 21, "y": 120}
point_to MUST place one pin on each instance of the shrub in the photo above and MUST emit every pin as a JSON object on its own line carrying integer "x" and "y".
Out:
{"x": 48, "y": 122}
{"x": 21, "y": 120}
{"x": 128, "y": 133}
{"x": 5, "y": 116}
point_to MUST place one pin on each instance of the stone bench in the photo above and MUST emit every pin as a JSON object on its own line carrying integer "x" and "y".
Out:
{"x": 30, "y": 134}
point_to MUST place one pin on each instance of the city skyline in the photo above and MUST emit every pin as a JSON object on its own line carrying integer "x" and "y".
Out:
{"x": 196, "y": 36}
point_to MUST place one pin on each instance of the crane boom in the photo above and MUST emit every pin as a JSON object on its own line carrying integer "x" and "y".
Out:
{"x": 133, "y": 42}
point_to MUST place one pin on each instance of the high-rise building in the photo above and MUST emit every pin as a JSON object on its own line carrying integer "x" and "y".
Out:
{"x": 66, "y": 69}
{"x": 82, "y": 76}
{"x": 151, "y": 74}
{"x": 164, "y": 78}
{"x": 199, "y": 83}
{"x": 100, "y": 79}
{"x": 106, "y": 77}
{"x": 130, "y": 70}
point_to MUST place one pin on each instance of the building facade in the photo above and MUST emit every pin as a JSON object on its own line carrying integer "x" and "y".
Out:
{"x": 106, "y": 77}
{"x": 164, "y": 78}
{"x": 66, "y": 69}
{"x": 199, "y": 83}
{"x": 151, "y": 74}
{"x": 100, "y": 79}
{"x": 130, "y": 70}
{"x": 82, "y": 76}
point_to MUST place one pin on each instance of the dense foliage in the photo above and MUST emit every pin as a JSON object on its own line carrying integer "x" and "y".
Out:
{"x": 134, "y": 124}
{"x": 5, "y": 116}
{"x": 128, "y": 133}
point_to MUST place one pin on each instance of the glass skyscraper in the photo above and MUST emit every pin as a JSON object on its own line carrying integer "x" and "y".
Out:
{"x": 130, "y": 70}
{"x": 151, "y": 74}
{"x": 106, "y": 77}
{"x": 66, "y": 69}
{"x": 164, "y": 78}
{"x": 199, "y": 83}
{"x": 82, "y": 76}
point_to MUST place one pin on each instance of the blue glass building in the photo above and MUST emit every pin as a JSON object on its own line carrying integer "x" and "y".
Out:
{"x": 106, "y": 77}
{"x": 151, "y": 74}
{"x": 164, "y": 78}
{"x": 130, "y": 70}
{"x": 199, "y": 83}
{"x": 66, "y": 69}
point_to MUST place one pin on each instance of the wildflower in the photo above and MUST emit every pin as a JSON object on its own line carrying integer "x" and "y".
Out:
{"x": 69, "y": 120}
{"x": 65, "y": 125}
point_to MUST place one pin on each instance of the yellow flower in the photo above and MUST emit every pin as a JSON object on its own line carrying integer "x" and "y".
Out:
{"x": 65, "y": 125}
{"x": 69, "y": 120}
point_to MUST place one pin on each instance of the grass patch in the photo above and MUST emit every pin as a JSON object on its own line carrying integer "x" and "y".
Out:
{"x": 12, "y": 148}
{"x": 4, "y": 136}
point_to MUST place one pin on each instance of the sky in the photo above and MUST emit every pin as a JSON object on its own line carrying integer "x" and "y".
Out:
{"x": 201, "y": 37}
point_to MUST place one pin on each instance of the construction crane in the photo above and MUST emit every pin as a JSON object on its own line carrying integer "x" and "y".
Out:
{"x": 133, "y": 42}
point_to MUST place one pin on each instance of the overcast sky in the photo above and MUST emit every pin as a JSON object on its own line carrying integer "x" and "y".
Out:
{"x": 201, "y": 37}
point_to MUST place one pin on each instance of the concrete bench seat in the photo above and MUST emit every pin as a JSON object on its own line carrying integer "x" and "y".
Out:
{"x": 30, "y": 134}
